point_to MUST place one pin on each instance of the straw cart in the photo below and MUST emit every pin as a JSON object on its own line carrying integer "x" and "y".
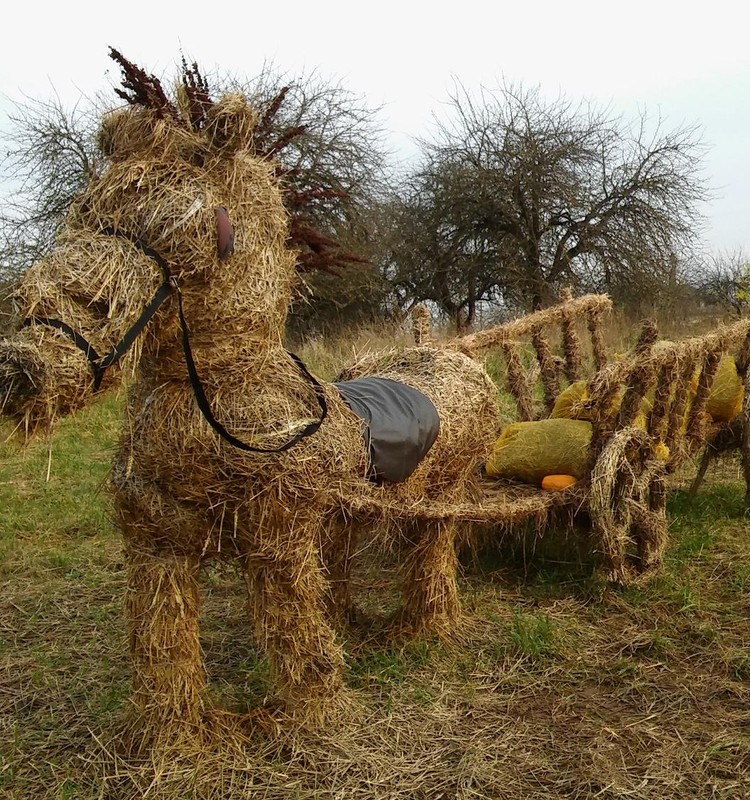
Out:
{"x": 678, "y": 376}
{"x": 648, "y": 415}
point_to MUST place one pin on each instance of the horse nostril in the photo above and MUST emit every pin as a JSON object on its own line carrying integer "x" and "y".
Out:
{"x": 20, "y": 374}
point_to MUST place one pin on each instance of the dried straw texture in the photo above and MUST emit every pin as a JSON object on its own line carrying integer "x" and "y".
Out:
{"x": 628, "y": 491}
{"x": 181, "y": 493}
{"x": 502, "y": 507}
{"x": 571, "y": 343}
{"x": 743, "y": 421}
{"x": 42, "y": 375}
{"x": 681, "y": 373}
{"x": 589, "y": 306}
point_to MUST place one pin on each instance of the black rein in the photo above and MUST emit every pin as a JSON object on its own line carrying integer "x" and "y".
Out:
{"x": 99, "y": 364}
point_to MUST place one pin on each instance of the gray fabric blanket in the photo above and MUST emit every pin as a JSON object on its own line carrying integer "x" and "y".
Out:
{"x": 402, "y": 424}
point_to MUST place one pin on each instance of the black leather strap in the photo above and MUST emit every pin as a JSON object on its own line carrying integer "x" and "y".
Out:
{"x": 205, "y": 407}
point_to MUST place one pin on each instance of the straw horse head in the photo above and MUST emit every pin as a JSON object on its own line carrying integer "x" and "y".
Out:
{"x": 175, "y": 264}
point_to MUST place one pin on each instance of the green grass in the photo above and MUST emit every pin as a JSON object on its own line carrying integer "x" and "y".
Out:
{"x": 390, "y": 666}
{"x": 533, "y": 635}
{"x": 52, "y": 488}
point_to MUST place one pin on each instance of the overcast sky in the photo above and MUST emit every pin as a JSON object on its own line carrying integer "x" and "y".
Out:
{"x": 688, "y": 66}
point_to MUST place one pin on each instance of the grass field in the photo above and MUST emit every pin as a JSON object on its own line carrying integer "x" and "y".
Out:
{"x": 562, "y": 689}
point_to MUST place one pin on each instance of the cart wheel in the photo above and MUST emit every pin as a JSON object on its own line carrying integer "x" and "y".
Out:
{"x": 627, "y": 505}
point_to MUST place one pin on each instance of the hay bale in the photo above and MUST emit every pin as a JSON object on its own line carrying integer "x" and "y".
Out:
{"x": 725, "y": 398}
{"x": 571, "y": 403}
{"x": 529, "y": 451}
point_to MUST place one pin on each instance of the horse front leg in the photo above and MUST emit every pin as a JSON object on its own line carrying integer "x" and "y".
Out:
{"x": 162, "y": 608}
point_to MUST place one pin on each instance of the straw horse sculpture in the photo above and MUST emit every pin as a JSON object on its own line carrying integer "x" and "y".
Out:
{"x": 144, "y": 264}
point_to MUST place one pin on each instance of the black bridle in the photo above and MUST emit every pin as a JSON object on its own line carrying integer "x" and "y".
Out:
{"x": 99, "y": 364}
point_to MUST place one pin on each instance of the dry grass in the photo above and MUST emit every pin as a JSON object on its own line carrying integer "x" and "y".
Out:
{"x": 560, "y": 690}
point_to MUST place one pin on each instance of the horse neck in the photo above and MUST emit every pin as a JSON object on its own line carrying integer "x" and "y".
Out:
{"x": 223, "y": 332}
{"x": 235, "y": 314}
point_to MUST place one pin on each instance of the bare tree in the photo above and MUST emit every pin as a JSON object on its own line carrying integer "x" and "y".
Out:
{"x": 724, "y": 279}
{"x": 560, "y": 193}
{"x": 431, "y": 248}
{"x": 50, "y": 155}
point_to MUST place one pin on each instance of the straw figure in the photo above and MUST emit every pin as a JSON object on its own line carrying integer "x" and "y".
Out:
{"x": 421, "y": 324}
{"x": 178, "y": 253}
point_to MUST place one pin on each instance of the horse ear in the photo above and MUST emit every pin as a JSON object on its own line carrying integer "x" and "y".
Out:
{"x": 130, "y": 130}
{"x": 225, "y": 233}
{"x": 230, "y": 123}
{"x": 115, "y": 132}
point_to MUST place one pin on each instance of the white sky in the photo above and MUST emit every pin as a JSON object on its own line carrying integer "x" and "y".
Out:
{"x": 689, "y": 66}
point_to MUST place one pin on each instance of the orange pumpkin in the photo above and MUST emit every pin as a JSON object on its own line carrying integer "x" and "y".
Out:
{"x": 556, "y": 483}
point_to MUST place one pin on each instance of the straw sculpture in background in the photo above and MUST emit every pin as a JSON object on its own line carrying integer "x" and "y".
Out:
{"x": 177, "y": 258}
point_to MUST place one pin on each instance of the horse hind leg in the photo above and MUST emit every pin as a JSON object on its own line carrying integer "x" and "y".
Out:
{"x": 338, "y": 549}
{"x": 430, "y": 598}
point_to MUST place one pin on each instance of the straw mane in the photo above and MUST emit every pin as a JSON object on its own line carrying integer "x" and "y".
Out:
{"x": 182, "y": 493}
